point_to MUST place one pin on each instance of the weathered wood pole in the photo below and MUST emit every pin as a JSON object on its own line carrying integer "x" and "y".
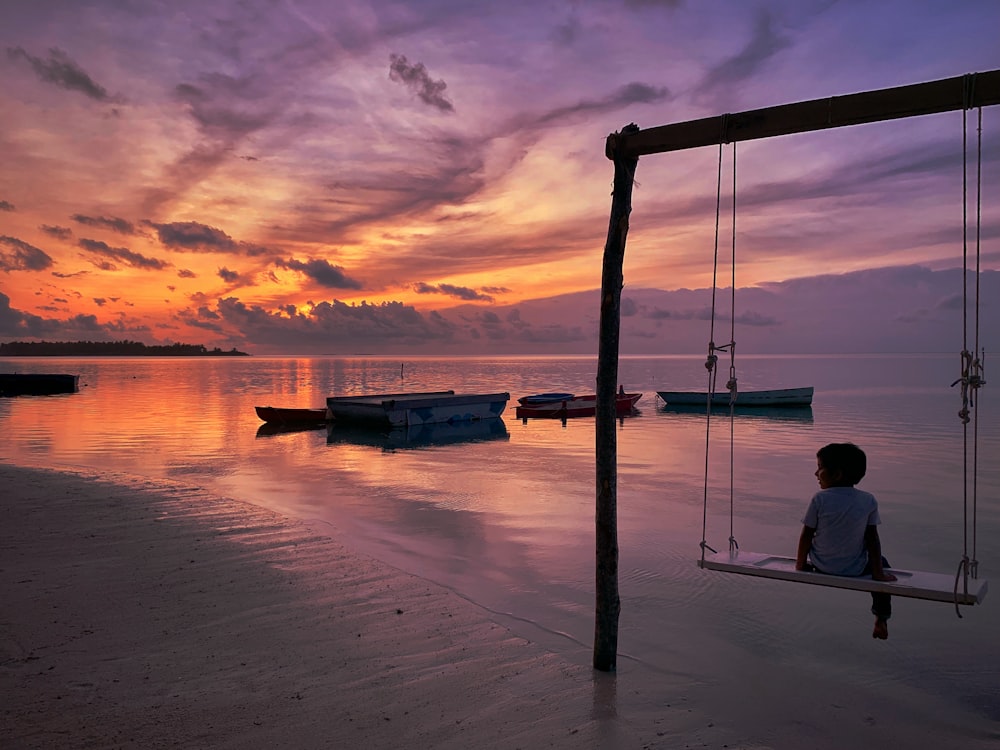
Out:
{"x": 608, "y": 602}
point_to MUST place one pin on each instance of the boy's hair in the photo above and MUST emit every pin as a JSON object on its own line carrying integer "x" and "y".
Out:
{"x": 846, "y": 458}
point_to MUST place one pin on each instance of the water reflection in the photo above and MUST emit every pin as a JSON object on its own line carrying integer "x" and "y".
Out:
{"x": 799, "y": 414}
{"x": 419, "y": 436}
{"x": 270, "y": 429}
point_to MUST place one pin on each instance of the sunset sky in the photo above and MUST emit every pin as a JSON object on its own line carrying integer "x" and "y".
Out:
{"x": 307, "y": 176}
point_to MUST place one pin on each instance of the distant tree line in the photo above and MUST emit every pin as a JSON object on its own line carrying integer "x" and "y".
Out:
{"x": 110, "y": 349}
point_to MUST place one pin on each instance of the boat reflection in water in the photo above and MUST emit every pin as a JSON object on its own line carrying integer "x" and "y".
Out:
{"x": 799, "y": 414}
{"x": 280, "y": 428}
{"x": 419, "y": 436}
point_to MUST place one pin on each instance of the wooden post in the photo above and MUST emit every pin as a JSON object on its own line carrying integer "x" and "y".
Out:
{"x": 608, "y": 602}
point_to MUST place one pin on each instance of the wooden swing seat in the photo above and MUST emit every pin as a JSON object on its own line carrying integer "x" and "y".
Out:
{"x": 938, "y": 587}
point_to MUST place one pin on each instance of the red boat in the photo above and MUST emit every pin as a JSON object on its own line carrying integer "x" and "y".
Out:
{"x": 572, "y": 406}
{"x": 279, "y": 415}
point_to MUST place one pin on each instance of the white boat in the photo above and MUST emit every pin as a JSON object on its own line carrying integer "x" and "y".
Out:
{"x": 778, "y": 397}
{"x": 405, "y": 409}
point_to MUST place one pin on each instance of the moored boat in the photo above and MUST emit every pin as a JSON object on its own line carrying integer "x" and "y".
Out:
{"x": 282, "y": 415}
{"x": 404, "y": 409}
{"x": 574, "y": 406}
{"x": 776, "y": 397}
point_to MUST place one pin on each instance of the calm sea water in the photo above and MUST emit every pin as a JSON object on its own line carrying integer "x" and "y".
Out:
{"x": 504, "y": 515}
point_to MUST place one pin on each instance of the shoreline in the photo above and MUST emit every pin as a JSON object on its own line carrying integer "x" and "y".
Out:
{"x": 141, "y": 613}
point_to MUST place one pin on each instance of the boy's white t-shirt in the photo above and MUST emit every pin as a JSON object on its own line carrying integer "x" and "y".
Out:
{"x": 840, "y": 516}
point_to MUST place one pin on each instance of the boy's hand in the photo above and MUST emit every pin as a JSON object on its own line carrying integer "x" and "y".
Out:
{"x": 883, "y": 576}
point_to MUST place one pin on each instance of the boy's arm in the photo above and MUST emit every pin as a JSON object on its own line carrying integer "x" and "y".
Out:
{"x": 874, "y": 546}
{"x": 805, "y": 544}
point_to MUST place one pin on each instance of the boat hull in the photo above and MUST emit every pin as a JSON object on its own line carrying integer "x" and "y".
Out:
{"x": 407, "y": 409}
{"x": 577, "y": 406}
{"x": 37, "y": 384}
{"x": 280, "y": 415}
{"x": 778, "y": 397}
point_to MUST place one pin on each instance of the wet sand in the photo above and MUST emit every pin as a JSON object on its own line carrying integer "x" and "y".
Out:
{"x": 145, "y": 614}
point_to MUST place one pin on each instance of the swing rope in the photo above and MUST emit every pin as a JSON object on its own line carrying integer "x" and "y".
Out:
{"x": 972, "y": 366}
{"x": 712, "y": 360}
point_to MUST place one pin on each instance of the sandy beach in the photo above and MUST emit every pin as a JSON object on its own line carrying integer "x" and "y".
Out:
{"x": 145, "y": 614}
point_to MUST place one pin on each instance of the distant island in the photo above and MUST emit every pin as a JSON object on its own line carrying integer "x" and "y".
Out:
{"x": 109, "y": 349}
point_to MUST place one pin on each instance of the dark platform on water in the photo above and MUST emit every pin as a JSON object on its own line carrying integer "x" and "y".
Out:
{"x": 37, "y": 384}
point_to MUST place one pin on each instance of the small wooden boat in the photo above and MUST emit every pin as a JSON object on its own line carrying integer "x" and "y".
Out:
{"x": 778, "y": 397}
{"x": 280, "y": 415}
{"x": 37, "y": 384}
{"x": 574, "y": 406}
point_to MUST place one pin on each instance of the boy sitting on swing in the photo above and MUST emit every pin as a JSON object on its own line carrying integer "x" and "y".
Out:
{"x": 840, "y": 528}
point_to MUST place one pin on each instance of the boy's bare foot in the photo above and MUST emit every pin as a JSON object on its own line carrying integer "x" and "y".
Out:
{"x": 881, "y": 630}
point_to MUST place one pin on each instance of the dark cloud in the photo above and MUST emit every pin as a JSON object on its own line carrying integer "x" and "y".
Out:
{"x": 15, "y": 322}
{"x": 100, "y": 301}
{"x": 6, "y": 206}
{"x": 60, "y": 70}
{"x": 322, "y": 272}
{"x": 60, "y": 233}
{"x": 185, "y": 273}
{"x": 19, "y": 324}
{"x": 22, "y": 256}
{"x": 459, "y": 292}
{"x": 336, "y": 326}
{"x": 192, "y": 236}
{"x": 121, "y": 226}
{"x": 228, "y": 276}
{"x": 416, "y": 78}
{"x": 123, "y": 254}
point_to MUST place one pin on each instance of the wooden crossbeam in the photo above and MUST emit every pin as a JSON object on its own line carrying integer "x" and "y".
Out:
{"x": 961, "y": 92}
